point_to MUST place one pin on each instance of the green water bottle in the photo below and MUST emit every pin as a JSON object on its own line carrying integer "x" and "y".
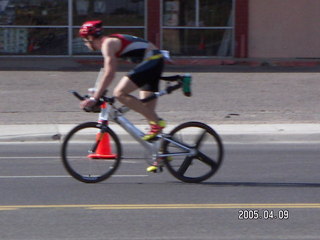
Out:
{"x": 186, "y": 84}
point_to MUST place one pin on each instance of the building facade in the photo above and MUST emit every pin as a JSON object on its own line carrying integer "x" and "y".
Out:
{"x": 284, "y": 29}
{"x": 192, "y": 28}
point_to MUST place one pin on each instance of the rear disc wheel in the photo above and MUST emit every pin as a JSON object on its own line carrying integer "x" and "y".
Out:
{"x": 207, "y": 152}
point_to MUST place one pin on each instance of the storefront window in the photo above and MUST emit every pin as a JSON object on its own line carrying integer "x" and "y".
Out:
{"x": 174, "y": 15}
{"x": 215, "y": 13}
{"x": 197, "y": 42}
{"x": 111, "y": 12}
{"x": 49, "y": 27}
{"x": 42, "y": 27}
{"x": 33, "y": 12}
{"x": 33, "y": 41}
{"x": 198, "y": 27}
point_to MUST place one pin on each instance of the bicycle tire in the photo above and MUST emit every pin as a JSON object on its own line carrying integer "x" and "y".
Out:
{"x": 75, "y": 153}
{"x": 207, "y": 158}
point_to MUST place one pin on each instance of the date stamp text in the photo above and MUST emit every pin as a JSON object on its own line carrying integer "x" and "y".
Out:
{"x": 263, "y": 214}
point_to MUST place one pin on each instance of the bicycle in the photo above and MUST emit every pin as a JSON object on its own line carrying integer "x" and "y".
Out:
{"x": 192, "y": 152}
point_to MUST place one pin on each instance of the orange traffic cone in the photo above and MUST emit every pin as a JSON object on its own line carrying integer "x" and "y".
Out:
{"x": 103, "y": 150}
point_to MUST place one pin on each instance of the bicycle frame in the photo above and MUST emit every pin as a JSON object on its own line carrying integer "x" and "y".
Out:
{"x": 111, "y": 113}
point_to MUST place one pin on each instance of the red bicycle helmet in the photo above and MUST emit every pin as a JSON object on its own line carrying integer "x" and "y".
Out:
{"x": 91, "y": 28}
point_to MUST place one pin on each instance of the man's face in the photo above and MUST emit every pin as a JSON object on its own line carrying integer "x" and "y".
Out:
{"x": 89, "y": 43}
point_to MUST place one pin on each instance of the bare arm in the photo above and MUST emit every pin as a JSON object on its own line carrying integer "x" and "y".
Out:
{"x": 109, "y": 49}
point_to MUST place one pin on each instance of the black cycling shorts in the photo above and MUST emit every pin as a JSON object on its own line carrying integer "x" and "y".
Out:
{"x": 146, "y": 75}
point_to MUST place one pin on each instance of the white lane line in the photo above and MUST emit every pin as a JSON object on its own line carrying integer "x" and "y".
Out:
{"x": 123, "y": 160}
{"x": 3, "y": 177}
{"x": 61, "y": 176}
{"x": 44, "y": 157}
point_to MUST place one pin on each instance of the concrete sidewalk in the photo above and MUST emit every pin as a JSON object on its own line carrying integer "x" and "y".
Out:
{"x": 230, "y": 133}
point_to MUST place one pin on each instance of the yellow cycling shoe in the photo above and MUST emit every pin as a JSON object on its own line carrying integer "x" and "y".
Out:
{"x": 162, "y": 123}
{"x": 152, "y": 168}
{"x": 157, "y": 166}
{"x": 155, "y": 129}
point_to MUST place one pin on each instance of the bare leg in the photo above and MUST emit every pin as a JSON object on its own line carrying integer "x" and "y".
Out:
{"x": 122, "y": 93}
{"x": 151, "y": 104}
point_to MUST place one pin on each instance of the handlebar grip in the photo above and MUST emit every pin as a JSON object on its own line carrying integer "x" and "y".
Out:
{"x": 95, "y": 108}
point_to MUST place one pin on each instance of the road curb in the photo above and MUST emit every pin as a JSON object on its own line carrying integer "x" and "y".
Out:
{"x": 230, "y": 133}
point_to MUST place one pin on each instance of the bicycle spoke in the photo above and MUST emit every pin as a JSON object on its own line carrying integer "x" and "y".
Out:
{"x": 200, "y": 139}
{"x": 184, "y": 166}
{"x": 205, "y": 159}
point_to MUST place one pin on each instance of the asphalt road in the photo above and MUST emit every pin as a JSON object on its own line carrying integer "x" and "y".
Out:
{"x": 262, "y": 191}
{"x": 40, "y": 201}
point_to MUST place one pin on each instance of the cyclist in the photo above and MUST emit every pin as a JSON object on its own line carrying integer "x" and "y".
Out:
{"x": 145, "y": 76}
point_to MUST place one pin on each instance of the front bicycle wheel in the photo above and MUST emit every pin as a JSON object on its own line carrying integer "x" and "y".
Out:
{"x": 91, "y": 152}
{"x": 206, "y": 152}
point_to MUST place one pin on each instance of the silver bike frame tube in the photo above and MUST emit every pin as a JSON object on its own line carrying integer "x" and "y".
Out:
{"x": 177, "y": 144}
{"x": 189, "y": 151}
{"x": 136, "y": 133}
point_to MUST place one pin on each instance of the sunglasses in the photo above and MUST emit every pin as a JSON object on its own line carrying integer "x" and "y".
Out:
{"x": 87, "y": 41}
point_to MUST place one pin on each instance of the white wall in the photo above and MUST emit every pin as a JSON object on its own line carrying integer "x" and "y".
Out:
{"x": 284, "y": 28}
